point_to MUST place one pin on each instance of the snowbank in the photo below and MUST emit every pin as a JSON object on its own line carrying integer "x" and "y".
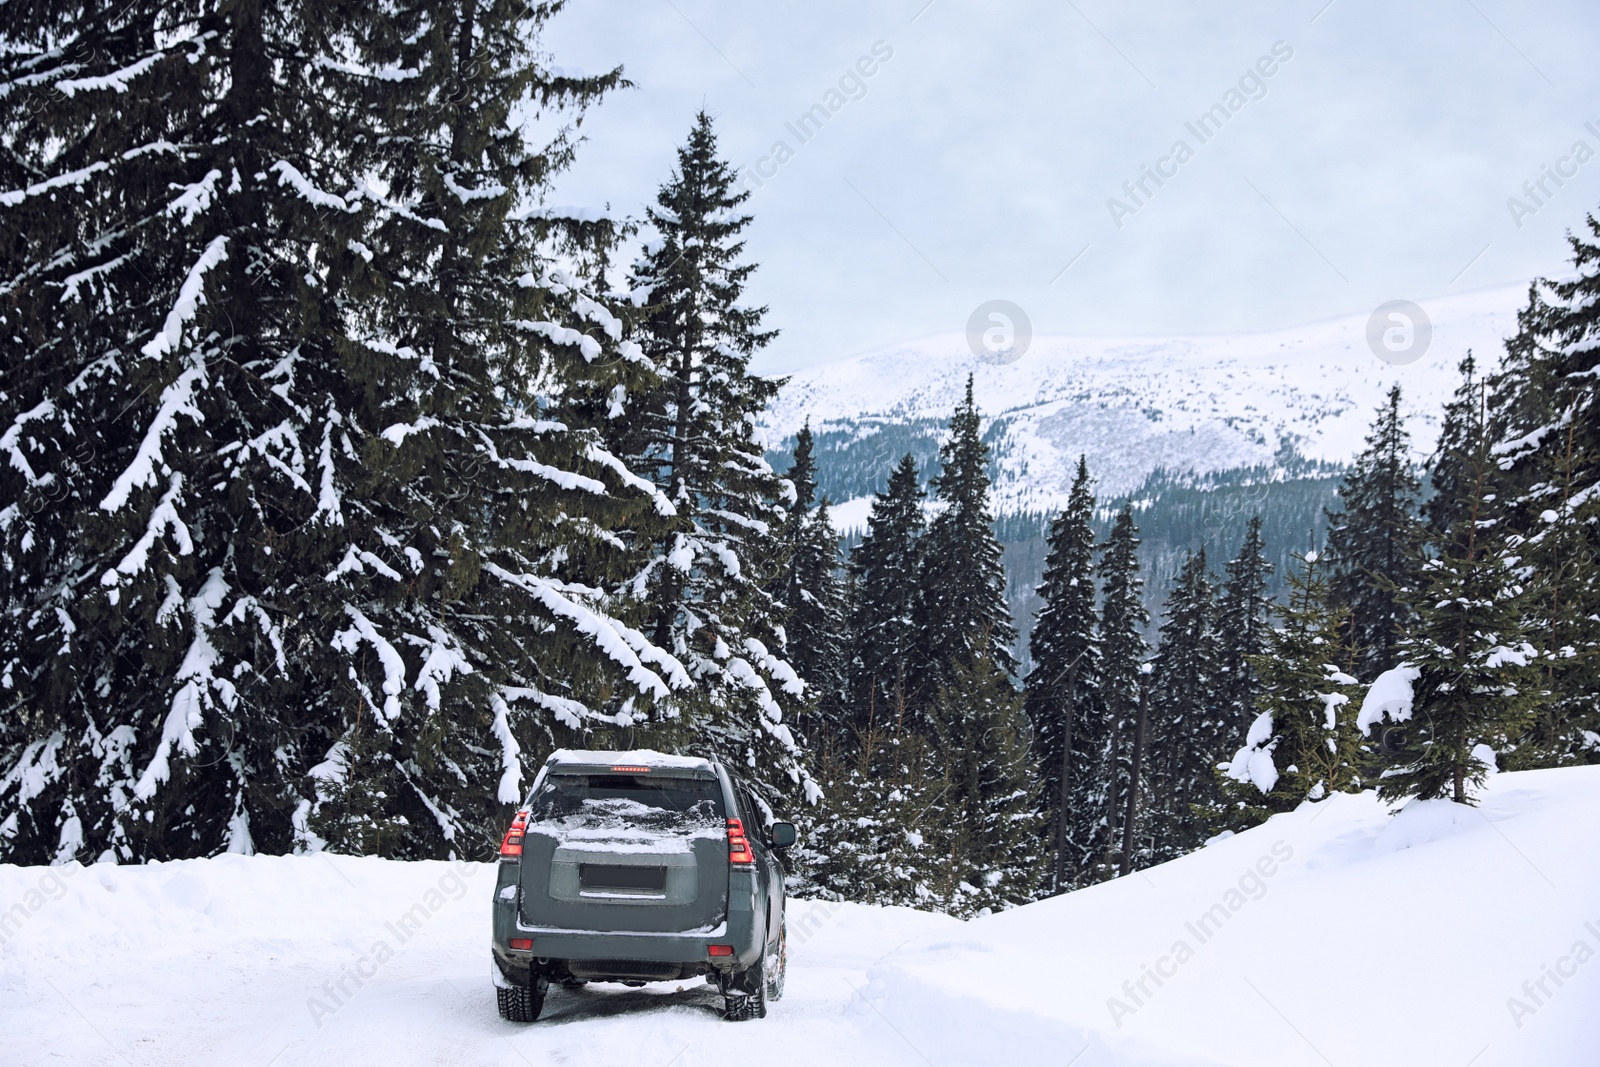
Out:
{"x": 1335, "y": 934}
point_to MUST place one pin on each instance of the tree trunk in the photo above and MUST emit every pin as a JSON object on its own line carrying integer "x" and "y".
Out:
{"x": 1133, "y": 784}
{"x": 1066, "y": 765}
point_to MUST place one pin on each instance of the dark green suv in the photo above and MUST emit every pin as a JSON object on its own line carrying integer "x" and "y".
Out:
{"x": 640, "y": 867}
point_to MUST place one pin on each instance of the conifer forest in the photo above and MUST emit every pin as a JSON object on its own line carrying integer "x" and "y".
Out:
{"x": 345, "y": 479}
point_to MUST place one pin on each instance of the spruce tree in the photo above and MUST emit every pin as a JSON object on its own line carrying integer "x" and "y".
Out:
{"x": 1303, "y": 744}
{"x": 1188, "y": 726}
{"x": 1122, "y": 654}
{"x": 885, "y": 567}
{"x": 870, "y": 841}
{"x": 1063, "y": 692}
{"x": 708, "y": 584}
{"x": 961, "y": 606}
{"x": 985, "y": 824}
{"x": 162, "y": 359}
{"x": 1372, "y": 539}
{"x": 1448, "y": 467}
{"x": 1471, "y": 670}
{"x": 312, "y": 541}
{"x": 1243, "y": 628}
{"x": 477, "y": 573}
{"x": 1545, "y": 424}
{"x": 812, "y": 596}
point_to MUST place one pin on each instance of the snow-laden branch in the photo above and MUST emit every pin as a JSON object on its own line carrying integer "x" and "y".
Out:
{"x": 176, "y": 399}
{"x": 396, "y": 435}
{"x": 778, "y": 668}
{"x": 510, "y": 791}
{"x": 443, "y": 661}
{"x": 391, "y": 73}
{"x": 598, "y": 314}
{"x": 328, "y": 501}
{"x": 1389, "y": 697}
{"x": 588, "y": 347}
{"x": 289, "y": 174}
{"x": 196, "y": 679}
{"x": 13, "y": 197}
{"x": 195, "y": 198}
{"x": 394, "y": 666}
{"x": 1253, "y": 763}
{"x": 164, "y": 518}
{"x": 13, "y": 435}
{"x": 189, "y": 296}
{"x": 599, "y": 455}
{"x": 563, "y": 478}
{"x": 117, "y": 81}
{"x": 70, "y": 284}
{"x": 622, "y": 644}
{"x": 353, "y": 561}
{"x": 466, "y": 195}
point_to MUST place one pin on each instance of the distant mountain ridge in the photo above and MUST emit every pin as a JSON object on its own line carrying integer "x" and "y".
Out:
{"x": 1196, "y": 405}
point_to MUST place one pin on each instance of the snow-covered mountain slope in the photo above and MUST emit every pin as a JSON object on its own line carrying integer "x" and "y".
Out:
{"x": 1335, "y": 934}
{"x": 1135, "y": 404}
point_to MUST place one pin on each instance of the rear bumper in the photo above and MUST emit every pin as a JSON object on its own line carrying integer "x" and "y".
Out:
{"x": 555, "y": 951}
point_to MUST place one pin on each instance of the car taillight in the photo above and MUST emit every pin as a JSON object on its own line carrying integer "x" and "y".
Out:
{"x": 738, "y": 845}
{"x": 719, "y": 950}
{"x": 512, "y": 845}
{"x": 523, "y": 943}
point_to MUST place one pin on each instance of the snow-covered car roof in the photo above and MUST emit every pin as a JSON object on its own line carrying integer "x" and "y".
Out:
{"x": 643, "y": 758}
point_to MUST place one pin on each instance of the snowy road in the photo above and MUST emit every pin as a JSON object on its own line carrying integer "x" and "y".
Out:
{"x": 296, "y": 960}
{"x": 1335, "y": 936}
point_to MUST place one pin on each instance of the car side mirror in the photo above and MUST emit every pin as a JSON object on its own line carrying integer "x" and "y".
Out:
{"x": 783, "y": 834}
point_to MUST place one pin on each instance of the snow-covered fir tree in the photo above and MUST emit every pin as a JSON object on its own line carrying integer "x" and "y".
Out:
{"x": 161, "y": 350}
{"x": 1468, "y": 680}
{"x": 961, "y": 606}
{"x": 1244, "y": 616}
{"x": 478, "y": 585}
{"x": 1063, "y": 692}
{"x": 300, "y": 538}
{"x": 984, "y": 820}
{"x": 812, "y": 594}
{"x": 1545, "y": 425}
{"x": 708, "y": 583}
{"x": 1449, "y": 466}
{"x": 884, "y": 683}
{"x": 1122, "y": 654}
{"x": 1303, "y": 744}
{"x": 1372, "y": 547}
{"x": 869, "y": 840}
{"x": 1188, "y": 727}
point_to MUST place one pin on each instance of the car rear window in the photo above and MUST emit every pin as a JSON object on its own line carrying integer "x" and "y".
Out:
{"x": 646, "y": 801}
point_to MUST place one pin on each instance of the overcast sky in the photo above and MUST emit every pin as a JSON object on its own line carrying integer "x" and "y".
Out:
{"x": 976, "y": 162}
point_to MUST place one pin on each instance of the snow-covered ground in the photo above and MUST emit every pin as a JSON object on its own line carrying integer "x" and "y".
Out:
{"x": 1335, "y": 935}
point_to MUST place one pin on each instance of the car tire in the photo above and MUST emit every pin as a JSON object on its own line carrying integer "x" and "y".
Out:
{"x": 522, "y": 1004}
{"x": 739, "y": 1005}
{"x": 777, "y": 963}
